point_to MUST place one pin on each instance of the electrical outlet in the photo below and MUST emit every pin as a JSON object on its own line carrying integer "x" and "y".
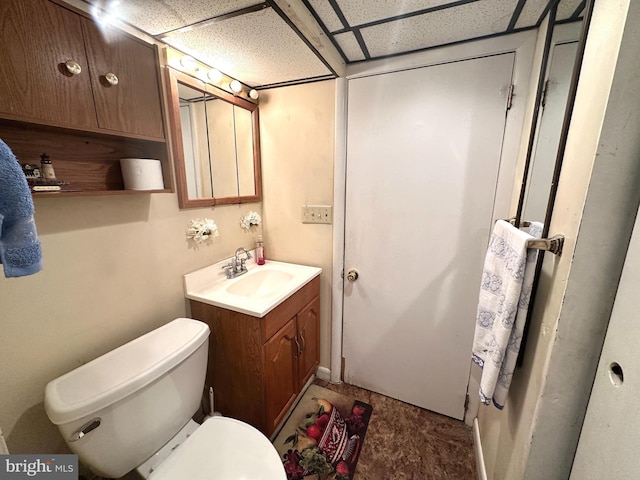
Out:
{"x": 317, "y": 214}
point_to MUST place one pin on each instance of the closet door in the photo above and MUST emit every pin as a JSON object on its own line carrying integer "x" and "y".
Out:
{"x": 423, "y": 156}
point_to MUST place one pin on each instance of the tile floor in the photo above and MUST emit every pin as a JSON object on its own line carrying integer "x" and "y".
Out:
{"x": 404, "y": 442}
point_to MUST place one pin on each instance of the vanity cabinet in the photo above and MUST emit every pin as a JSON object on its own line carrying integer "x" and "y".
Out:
{"x": 85, "y": 96}
{"x": 258, "y": 366}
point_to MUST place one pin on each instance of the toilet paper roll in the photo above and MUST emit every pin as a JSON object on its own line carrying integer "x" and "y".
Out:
{"x": 141, "y": 174}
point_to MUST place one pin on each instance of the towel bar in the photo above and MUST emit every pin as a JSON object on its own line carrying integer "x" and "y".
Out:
{"x": 553, "y": 244}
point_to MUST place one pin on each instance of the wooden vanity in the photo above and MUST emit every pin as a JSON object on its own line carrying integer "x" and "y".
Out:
{"x": 258, "y": 366}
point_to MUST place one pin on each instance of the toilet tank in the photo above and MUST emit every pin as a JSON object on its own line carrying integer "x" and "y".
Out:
{"x": 119, "y": 409}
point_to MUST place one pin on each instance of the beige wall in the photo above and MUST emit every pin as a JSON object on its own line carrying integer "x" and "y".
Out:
{"x": 297, "y": 138}
{"x": 113, "y": 269}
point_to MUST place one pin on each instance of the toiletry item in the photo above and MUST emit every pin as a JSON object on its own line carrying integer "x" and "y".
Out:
{"x": 47, "y": 167}
{"x": 259, "y": 251}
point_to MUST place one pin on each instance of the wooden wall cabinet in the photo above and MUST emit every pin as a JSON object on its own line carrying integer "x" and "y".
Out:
{"x": 258, "y": 366}
{"x": 84, "y": 96}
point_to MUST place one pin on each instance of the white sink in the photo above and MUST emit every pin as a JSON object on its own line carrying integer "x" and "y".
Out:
{"x": 255, "y": 293}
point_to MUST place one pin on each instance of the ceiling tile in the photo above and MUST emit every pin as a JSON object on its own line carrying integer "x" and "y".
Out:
{"x": 441, "y": 27}
{"x": 159, "y": 16}
{"x": 327, "y": 14}
{"x": 531, "y": 13}
{"x": 258, "y": 48}
{"x": 566, "y": 8}
{"x": 358, "y": 12}
{"x": 350, "y": 46}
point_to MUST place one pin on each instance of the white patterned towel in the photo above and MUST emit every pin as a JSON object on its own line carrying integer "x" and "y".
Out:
{"x": 502, "y": 308}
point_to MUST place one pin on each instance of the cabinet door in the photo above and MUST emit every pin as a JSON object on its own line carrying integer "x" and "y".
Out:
{"x": 37, "y": 38}
{"x": 281, "y": 376}
{"x": 308, "y": 320}
{"x": 133, "y": 105}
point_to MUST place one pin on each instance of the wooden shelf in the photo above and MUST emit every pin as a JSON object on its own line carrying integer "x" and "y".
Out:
{"x": 88, "y": 161}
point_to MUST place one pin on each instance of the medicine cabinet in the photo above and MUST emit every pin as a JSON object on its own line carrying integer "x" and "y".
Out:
{"x": 215, "y": 142}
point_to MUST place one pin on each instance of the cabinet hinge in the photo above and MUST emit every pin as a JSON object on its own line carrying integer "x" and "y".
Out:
{"x": 342, "y": 367}
{"x": 466, "y": 402}
{"x": 510, "y": 97}
{"x": 543, "y": 101}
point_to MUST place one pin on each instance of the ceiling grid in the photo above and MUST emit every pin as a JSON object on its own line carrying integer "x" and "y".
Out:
{"x": 260, "y": 43}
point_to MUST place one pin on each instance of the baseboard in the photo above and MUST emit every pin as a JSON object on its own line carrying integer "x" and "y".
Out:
{"x": 477, "y": 446}
{"x": 324, "y": 373}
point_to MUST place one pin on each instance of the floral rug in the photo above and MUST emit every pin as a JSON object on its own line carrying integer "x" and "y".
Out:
{"x": 323, "y": 437}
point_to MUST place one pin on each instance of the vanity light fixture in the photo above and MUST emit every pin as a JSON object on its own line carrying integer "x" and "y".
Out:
{"x": 253, "y": 93}
{"x": 214, "y": 75}
{"x": 235, "y": 86}
{"x": 189, "y": 63}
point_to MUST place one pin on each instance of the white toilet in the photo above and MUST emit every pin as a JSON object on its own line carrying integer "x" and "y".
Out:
{"x": 131, "y": 409}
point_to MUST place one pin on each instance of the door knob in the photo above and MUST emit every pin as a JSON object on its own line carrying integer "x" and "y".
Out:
{"x": 352, "y": 275}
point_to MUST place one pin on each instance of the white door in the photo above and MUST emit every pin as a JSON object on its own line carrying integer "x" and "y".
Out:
{"x": 423, "y": 154}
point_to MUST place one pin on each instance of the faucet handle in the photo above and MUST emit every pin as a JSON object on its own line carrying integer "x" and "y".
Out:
{"x": 228, "y": 270}
{"x": 248, "y": 255}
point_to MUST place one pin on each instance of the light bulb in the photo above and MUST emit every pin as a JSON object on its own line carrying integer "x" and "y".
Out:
{"x": 189, "y": 63}
{"x": 235, "y": 86}
{"x": 214, "y": 75}
{"x": 253, "y": 93}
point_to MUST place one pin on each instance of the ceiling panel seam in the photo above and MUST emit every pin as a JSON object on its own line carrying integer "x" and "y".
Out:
{"x": 578, "y": 13}
{"x": 321, "y": 78}
{"x": 208, "y": 21}
{"x": 288, "y": 21}
{"x": 361, "y": 42}
{"x": 338, "y": 11}
{"x": 550, "y": 5}
{"x": 325, "y": 29}
{"x": 516, "y": 15}
{"x": 405, "y": 16}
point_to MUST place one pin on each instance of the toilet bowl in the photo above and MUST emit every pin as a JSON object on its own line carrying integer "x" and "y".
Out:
{"x": 132, "y": 407}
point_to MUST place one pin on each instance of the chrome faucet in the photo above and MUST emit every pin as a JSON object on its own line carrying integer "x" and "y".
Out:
{"x": 237, "y": 265}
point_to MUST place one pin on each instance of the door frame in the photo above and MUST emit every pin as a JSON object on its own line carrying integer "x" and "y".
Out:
{"x": 527, "y": 49}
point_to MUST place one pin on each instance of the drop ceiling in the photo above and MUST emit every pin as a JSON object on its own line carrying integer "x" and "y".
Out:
{"x": 280, "y": 42}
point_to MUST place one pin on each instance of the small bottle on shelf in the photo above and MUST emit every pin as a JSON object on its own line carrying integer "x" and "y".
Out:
{"x": 46, "y": 167}
{"x": 259, "y": 251}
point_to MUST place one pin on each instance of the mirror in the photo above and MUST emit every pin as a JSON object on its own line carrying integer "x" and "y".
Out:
{"x": 562, "y": 54}
{"x": 548, "y": 138}
{"x": 215, "y": 141}
{"x": 557, "y": 82}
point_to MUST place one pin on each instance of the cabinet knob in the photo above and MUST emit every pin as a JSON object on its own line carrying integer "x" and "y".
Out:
{"x": 111, "y": 78}
{"x": 73, "y": 67}
{"x": 352, "y": 275}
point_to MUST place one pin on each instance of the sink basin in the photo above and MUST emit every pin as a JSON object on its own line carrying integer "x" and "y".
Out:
{"x": 260, "y": 283}
{"x": 254, "y": 293}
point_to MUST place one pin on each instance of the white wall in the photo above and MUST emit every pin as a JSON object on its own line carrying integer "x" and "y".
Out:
{"x": 296, "y": 136}
{"x": 113, "y": 269}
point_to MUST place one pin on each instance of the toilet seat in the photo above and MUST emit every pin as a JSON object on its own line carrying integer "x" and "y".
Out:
{"x": 223, "y": 448}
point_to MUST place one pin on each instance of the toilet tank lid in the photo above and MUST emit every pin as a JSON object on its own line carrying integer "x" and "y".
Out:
{"x": 123, "y": 371}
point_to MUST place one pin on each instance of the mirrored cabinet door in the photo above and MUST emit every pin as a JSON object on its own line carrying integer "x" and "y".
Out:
{"x": 215, "y": 144}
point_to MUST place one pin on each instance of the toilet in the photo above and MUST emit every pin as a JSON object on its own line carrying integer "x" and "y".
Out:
{"x": 132, "y": 409}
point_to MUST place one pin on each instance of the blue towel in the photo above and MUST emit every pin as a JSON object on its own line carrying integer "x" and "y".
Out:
{"x": 20, "y": 251}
